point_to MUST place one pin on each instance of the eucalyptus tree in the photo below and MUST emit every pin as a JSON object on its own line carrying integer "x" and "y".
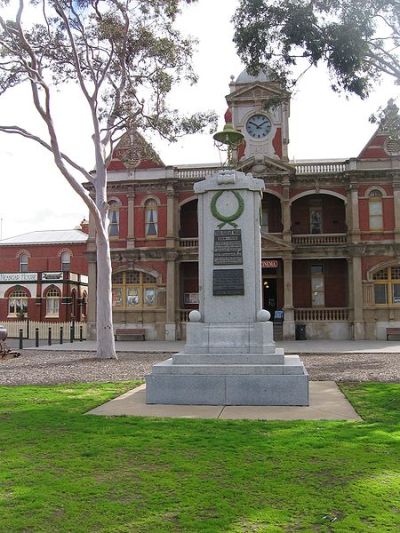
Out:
{"x": 125, "y": 56}
{"x": 359, "y": 40}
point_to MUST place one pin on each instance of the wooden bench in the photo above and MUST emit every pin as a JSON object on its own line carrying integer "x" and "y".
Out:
{"x": 130, "y": 334}
{"x": 393, "y": 333}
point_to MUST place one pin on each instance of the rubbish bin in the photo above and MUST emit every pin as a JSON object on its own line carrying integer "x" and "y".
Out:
{"x": 300, "y": 332}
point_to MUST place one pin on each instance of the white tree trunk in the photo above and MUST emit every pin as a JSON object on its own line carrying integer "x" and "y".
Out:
{"x": 104, "y": 324}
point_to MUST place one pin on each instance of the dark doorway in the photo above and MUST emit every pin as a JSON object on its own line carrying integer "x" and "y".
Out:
{"x": 270, "y": 295}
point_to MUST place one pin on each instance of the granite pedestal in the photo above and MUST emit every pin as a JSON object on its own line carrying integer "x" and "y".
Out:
{"x": 256, "y": 374}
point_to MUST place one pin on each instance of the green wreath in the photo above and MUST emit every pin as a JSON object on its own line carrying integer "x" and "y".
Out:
{"x": 231, "y": 218}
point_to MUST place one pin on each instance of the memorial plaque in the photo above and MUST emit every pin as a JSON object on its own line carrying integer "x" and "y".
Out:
{"x": 228, "y": 282}
{"x": 228, "y": 247}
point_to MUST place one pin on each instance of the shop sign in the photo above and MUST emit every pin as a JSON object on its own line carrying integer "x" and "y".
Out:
{"x": 269, "y": 263}
{"x": 52, "y": 276}
{"x": 18, "y": 276}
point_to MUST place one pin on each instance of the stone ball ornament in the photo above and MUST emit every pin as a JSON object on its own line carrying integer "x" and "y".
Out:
{"x": 195, "y": 316}
{"x": 263, "y": 315}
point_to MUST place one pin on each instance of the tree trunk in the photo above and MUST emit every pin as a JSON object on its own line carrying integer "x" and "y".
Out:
{"x": 104, "y": 324}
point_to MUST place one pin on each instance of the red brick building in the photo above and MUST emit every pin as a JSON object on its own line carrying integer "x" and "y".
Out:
{"x": 43, "y": 276}
{"x": 330, "y": 229}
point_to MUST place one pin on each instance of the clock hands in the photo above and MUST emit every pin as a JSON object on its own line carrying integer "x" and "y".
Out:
{"x": 254, "y": 124}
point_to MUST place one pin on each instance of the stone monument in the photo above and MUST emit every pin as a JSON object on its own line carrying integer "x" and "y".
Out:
{"x": 230, "y": 357}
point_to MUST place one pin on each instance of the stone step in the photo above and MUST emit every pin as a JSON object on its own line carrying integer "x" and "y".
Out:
{"x": 292, "y": 366}
{"x": 277, "y": 357}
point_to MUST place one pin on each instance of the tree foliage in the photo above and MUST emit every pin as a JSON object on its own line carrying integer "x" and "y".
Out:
{"x": 357, "y": 39}
{"x": 125, "y": 57}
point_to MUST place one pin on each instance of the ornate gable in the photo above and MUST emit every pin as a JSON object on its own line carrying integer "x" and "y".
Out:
{"x": 261, "y": 166}
{"x": 385, "y": 142}
{"x": 133, "y": 152}
{"x": 257, "y": 91}
{"x": 272, "y": 243}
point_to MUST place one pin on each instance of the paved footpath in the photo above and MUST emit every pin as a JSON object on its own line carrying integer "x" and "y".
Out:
{"x": 290, "y": 347}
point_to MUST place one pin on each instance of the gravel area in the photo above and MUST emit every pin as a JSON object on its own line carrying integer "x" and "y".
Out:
{"x": 51, "y": 367}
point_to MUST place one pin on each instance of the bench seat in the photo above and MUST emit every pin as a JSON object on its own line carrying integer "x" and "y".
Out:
{"x": 130, "y": 334}
{"x": 393, "y": 334}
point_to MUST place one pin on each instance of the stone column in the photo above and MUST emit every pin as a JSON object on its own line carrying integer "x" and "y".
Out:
{"x": 171, "y": 216}
{"x": 396, "y": 206}
{"x": 358, "y": 313}
{"x": 352, "y": 213}
{"x": 170, "y": 323}
{"x": 131, "y": 220}
{"x": 288, "y": 324}
{"x": 286, "y": 215}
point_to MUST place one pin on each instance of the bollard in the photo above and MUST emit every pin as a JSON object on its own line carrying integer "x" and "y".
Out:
{"x": 61, "y": 334}
{"x": 37, "y": 337}
{"x": 49, "y": 337}
{"x": 21, "y": 339}
{"x": 71, "y": 334}
{"x": 81, "y": 333}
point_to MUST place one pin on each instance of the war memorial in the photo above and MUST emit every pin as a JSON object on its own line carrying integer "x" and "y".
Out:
{"x": 230, "y": 356}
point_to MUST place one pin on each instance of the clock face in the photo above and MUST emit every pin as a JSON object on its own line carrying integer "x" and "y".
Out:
{"x": 258, "y": 126}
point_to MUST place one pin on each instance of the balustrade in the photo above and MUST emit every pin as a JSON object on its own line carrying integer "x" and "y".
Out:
{"x": 321, "y": 314}
{"x": 320, "y": 239}
{"x": 183, "y": 315}
{"x": 320, "y": 167}
{"x": 196, "y": 173}
{"x": 189, "y": 242}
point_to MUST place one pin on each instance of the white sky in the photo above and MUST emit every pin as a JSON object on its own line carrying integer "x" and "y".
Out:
{"x": 34, "y": 196}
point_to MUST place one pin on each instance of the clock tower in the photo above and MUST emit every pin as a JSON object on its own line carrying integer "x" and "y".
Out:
{"x": 259, "y": 108}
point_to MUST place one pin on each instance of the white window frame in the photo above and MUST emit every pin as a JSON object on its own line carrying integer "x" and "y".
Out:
{"x": 53, "y": 298}
{"x": 19, "y": 299}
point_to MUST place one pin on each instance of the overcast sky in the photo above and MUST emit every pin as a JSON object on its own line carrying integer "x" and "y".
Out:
{"x": 323, "y": 125}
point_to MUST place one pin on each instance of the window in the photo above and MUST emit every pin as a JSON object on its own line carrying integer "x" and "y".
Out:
{"x": 23, "y": 263}
{"x": 387, "y": 286}
{"x": 133, "y": 290}
{"x": 53, "y": 302}
{"x": 18, "y": 302}
{"x": 66, "y": 261}
{"x": 317, "y": 286}
{"x": 315, "y": 220}
{"x": 375, "y": 210}
{"x": 151, "y": 218}
{"x": 113, "y": 216}
{"x": 264, "y": 219}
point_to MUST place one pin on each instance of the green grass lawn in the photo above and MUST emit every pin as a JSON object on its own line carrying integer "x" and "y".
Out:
{"x": 62, "y": 471}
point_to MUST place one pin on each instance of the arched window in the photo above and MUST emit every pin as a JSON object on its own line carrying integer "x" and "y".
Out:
{"x": 151, "y": 218}
{"x": 18, "y": 302}
{"x": 133, "y": 290}
{"x": 375, "y": 210}
{"x": 113, "y": 215}
{"x": 66, "y": 261}
{"x": 53, "y": 296}
{"x": 23, "y": 263}
{"x": 387, "y": 286}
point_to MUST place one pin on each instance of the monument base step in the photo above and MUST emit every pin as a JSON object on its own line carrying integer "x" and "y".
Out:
{"x": 292, "y": 366}
{"x": 227, "y": 384}
{"x": 184, "y": 358}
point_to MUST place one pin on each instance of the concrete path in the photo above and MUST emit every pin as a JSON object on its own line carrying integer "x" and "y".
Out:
{"x": 326, "y": 403}
{"x": 290, "y": 347}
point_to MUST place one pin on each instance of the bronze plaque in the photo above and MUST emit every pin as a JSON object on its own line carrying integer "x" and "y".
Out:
{"x": 228, "y": 282}
{"x": 228, "y": 247}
